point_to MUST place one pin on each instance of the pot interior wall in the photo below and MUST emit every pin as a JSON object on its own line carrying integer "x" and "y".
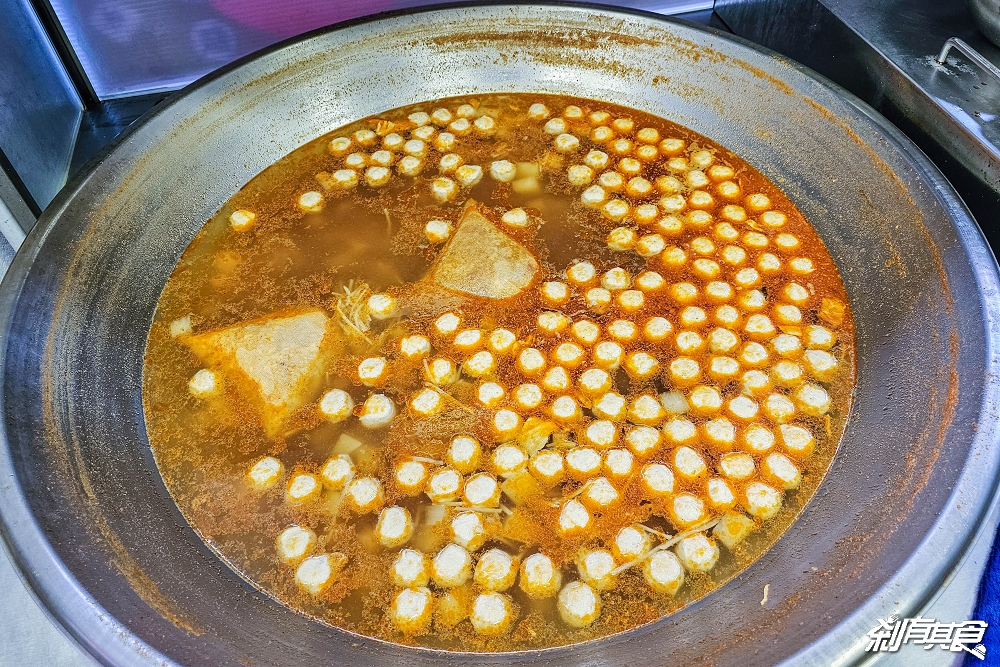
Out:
{"x": 89, "y": 283}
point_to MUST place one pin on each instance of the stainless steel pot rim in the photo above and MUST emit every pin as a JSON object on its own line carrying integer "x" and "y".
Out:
{"x": 112, "y": 643}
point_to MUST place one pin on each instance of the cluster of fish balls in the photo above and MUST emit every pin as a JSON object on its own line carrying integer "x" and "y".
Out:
{"x": 763, "y": 398}
{"x": 595, "y": 464}
{"x": 570, "y": 368}
{"x": 295, "y": 546}
{"x": 576, "y": 373}
{"x": 371, "y": 157}
{"x": 494, "y": 572}
{"x": 490, "y": 611}
{"x": 599, "y": 462}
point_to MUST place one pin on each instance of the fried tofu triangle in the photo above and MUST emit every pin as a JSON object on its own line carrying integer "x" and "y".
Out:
{"x": 277, "y": 361}
{"x": 482, "y": 260}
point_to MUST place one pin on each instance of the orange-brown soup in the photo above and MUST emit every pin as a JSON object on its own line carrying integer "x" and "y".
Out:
{"x": 499, "y": 373}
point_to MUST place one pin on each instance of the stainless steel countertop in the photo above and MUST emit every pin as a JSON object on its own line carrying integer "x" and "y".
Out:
{"x": 27, "y": 636}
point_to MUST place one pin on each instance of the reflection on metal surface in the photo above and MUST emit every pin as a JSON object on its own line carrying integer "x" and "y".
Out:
{"x": 39, "y": 108}
{"x": 987, "y": 15}
{"x": 130, "y": 47}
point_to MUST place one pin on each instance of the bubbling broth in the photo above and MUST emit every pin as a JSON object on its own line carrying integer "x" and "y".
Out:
{"x": 499, "y": 373}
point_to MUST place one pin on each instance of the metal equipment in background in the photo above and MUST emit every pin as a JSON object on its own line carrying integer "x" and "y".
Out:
{"x": 886, "y": 52}
{"x": 987, "y": 15}
{"x": 40, "y": 114}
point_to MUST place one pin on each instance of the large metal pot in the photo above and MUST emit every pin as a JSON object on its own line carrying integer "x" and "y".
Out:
{"x": 103, "y": 545}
